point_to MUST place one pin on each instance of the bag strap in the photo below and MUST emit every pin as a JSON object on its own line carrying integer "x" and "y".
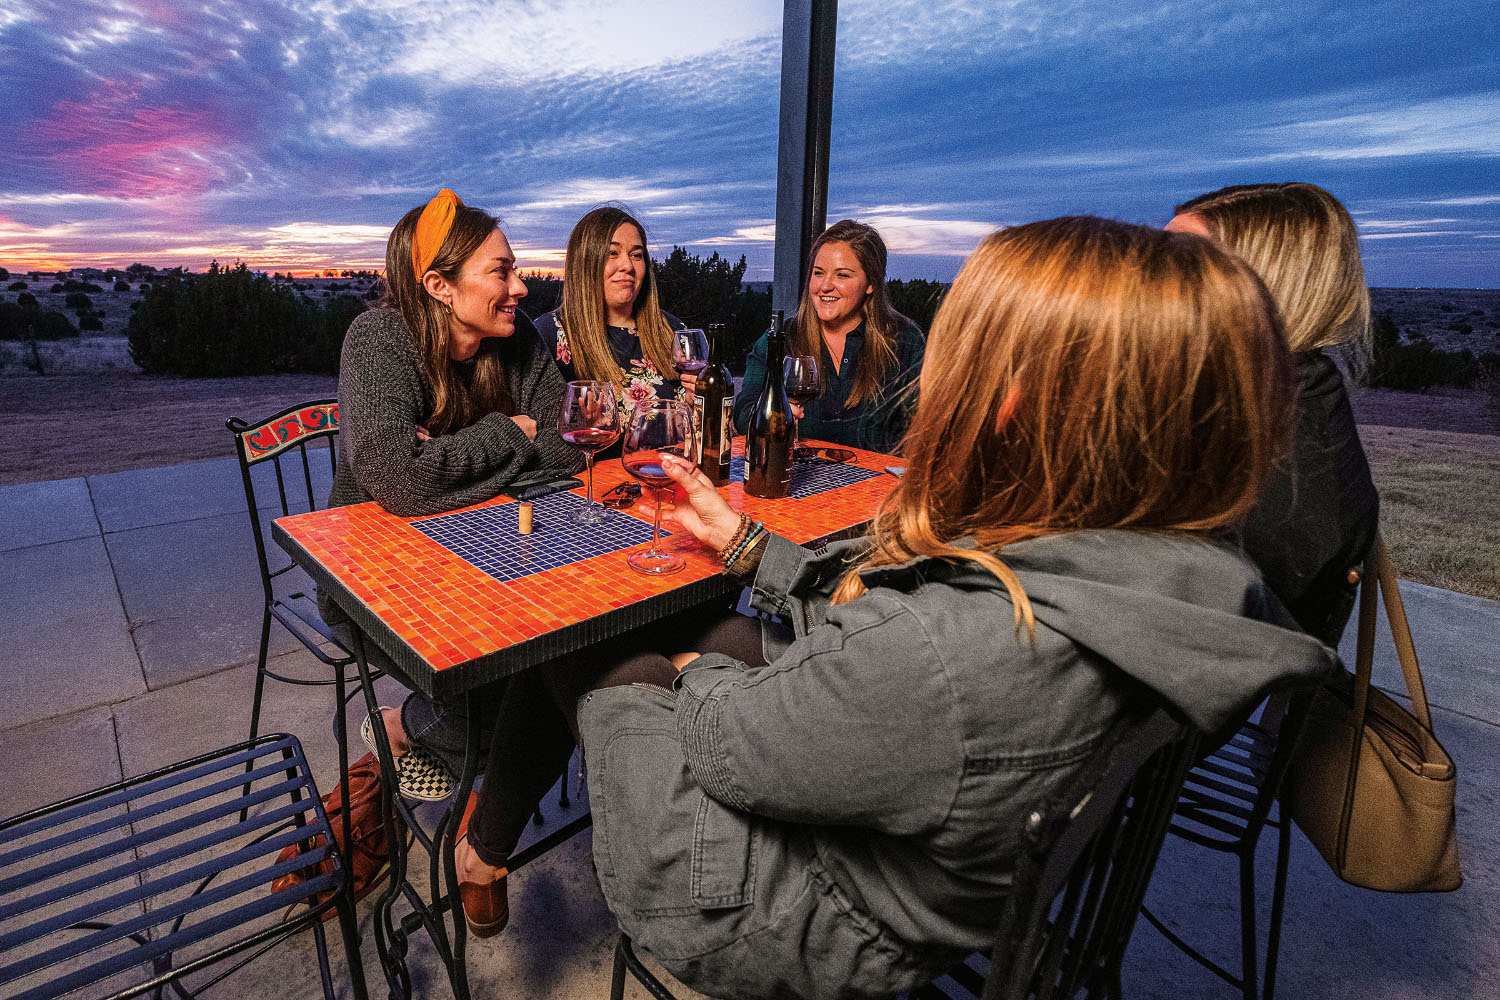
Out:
{"x": 1364, "y": 659}
{"x": 1406, "y": 651}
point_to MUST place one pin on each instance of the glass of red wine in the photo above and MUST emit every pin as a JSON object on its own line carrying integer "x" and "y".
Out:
{"x": 689, "y": 351}
{"x": 652, "y": 429}
{"x": 802, "y": 387}
{"x": 589, "y": 420}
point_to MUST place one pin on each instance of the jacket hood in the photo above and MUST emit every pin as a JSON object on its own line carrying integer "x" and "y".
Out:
{"x": 1187, "y": 617}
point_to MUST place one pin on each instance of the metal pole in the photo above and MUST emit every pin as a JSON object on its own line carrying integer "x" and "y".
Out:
{"x": 808, "y": 30}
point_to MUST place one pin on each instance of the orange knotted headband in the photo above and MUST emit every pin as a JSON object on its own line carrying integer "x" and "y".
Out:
{"x": 432, "y": 229}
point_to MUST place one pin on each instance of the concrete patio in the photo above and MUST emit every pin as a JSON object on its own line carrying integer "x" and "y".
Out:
{"x": 129, "y": 617}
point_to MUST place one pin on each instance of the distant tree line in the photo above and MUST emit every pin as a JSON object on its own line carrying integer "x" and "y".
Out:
{"x": 231, "y": 321}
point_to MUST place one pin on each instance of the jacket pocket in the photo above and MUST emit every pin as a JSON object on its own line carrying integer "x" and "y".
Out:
{"x": 722, "y": 869}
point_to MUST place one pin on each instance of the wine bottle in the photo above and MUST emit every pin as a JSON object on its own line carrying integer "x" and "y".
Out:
{"x": 768, "y": 438}
{"x": 714, "y": 399}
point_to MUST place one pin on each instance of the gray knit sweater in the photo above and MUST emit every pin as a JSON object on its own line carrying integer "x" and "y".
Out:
{"x": 384, "y": 396}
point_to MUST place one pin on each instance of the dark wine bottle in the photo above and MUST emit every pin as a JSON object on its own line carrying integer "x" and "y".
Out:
{"x": 714, "y": 399}
{"x": 768, "y": 438}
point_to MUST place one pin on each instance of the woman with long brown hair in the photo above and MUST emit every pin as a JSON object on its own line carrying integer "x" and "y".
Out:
{"x": 445, "y": 399}
{"x": 813, "y": 810}
{"x": 610, "y": 326}
{"x": 1317, "y": 517}
{"x": 868, "y": 354}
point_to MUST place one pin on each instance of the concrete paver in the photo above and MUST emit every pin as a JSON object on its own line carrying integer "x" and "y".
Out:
{"x": 38, "y": 513}
{"x": 64, "y": 640}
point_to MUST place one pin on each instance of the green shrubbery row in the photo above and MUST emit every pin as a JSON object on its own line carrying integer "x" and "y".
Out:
{"x": 230, "y": 321}
{"x": 1418, "y": 365}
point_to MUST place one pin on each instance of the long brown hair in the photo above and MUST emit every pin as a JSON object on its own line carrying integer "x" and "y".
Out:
{"x": 454, "y": 406}
{"x": 1304, "y": 245}
{"x": 1095, "y": 375}
{"x": 880, "y": 317}
{"x": 582, "y": 313}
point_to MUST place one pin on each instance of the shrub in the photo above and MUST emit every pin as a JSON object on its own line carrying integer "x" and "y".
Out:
{"x": 229, "y": 321}
{"x": 4, "y": 274}
{"x": 28, "y": 300}
{"x": 917, "y": 298}
{"x": 18, "y": 322}
{"x": 78, "y": 302}
{"x": 17, "y": 286}
{"x": 122, "y": 286}
{"x": 72, "y": 285}
{"x": 57, "y": 287}
{"x": 90, "y": 321}
{"x": 1419, "y": 365}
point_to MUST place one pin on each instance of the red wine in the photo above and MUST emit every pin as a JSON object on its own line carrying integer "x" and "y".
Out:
{"x": 689, "y": 367}
{"x": 591, "y": 438}
{"x": 768, "y": 438}
{"x": 805, "y": 396}
{"x": 646, "y": 466}
{"x": 714, "y": 398}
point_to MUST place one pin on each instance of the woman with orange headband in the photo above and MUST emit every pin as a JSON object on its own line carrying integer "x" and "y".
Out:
{"x": 446, "y": 397}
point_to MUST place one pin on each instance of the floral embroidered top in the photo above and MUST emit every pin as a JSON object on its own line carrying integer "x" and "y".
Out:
{"x": 642, "y": 380}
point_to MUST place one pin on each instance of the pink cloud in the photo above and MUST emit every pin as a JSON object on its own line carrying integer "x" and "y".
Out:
{"x": 114, "y": 145}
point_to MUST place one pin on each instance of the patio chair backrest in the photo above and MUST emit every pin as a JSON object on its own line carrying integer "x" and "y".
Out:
{"x": 282, "y": 440}
{"x": 1089, "y": 853}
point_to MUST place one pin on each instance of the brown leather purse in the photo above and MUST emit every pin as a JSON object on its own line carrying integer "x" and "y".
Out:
{"x": 1371, "y": 786}
{"x": 369, "y": 859}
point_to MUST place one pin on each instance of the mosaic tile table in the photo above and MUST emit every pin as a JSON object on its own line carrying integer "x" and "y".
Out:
{"x": 460, "y": 599}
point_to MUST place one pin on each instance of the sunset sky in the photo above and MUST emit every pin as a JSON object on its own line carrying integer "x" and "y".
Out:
{"x": 294, "y": 135}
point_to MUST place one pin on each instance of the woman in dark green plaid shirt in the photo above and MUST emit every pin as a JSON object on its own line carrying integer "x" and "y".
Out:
{"x": 869, "y": 355}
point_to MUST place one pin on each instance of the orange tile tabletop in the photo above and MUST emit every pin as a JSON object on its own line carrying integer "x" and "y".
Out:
{"x": 463, "y": 598}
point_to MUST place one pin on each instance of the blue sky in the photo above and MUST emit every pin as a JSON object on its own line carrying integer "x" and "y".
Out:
{"x": 296, "y": 134}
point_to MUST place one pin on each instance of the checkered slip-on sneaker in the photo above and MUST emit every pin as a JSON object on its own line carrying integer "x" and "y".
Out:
{"x": 419, "y": 775}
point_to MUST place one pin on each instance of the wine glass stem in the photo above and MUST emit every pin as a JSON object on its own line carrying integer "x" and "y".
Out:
{"x": 796, "y": 436}
{"x": 656, "y": 520}
{"x": 588, "y": 461}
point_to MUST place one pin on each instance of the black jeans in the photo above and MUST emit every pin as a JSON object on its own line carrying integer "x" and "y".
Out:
{"x": 536, "y": 727}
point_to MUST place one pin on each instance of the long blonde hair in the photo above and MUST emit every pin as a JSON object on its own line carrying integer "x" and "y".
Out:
{"x": 454, "y": 407}
{"x": 582, "y": 312}
{"x": 1304, "y": 245}
{"x": 880, "y": 317}
{"x": 1079, "y": 390}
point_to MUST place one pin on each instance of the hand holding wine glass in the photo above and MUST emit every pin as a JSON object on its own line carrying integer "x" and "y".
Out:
{"x": 657, "y": 430}
{"x": 802, "y": 387}
{"x": 589, "y": 420}
{"x": 706, "y": 516}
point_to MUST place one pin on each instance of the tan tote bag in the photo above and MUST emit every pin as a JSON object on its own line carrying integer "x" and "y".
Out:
{"x": 1371, "y": 786}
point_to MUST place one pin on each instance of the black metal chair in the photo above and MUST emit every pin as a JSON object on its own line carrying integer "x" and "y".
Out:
{"x": 1226, "y": 802}
{"x": 1089, "y": 853}
{"x": 282, "y": 440}
{"x": 127, "y": 889}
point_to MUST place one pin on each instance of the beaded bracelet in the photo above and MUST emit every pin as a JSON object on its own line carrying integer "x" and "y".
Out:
{"x": 755, "y": 530}
{"x": 749, "y": 560}
{"x": 736, "y": 538}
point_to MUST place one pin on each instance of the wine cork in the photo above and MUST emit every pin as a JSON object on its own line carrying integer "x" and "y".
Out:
{"x": 524, "y": 517}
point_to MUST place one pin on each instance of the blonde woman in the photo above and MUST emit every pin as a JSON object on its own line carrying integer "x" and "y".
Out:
{"x": 815, "y": 813}
{"x": 610, "y": 326}
{"x": 1318, "y": 516}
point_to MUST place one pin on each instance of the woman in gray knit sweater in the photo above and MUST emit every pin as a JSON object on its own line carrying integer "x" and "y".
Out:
{"x": 446, "y": 398}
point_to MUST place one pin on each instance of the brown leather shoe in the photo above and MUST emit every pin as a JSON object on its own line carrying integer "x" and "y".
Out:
{"x": 486, "y": 907}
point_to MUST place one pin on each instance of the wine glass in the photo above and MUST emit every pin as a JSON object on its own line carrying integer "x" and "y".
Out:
{"x": 652, "y": 429}
{"x": 689, "y": 351}
{"x": 802, "y": 387}
{"x": 589, "y": 420}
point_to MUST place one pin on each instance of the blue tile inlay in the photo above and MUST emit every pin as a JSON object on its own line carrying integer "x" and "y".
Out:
{"x": 487, "y": 538}
{"x": 812, "y": 476}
